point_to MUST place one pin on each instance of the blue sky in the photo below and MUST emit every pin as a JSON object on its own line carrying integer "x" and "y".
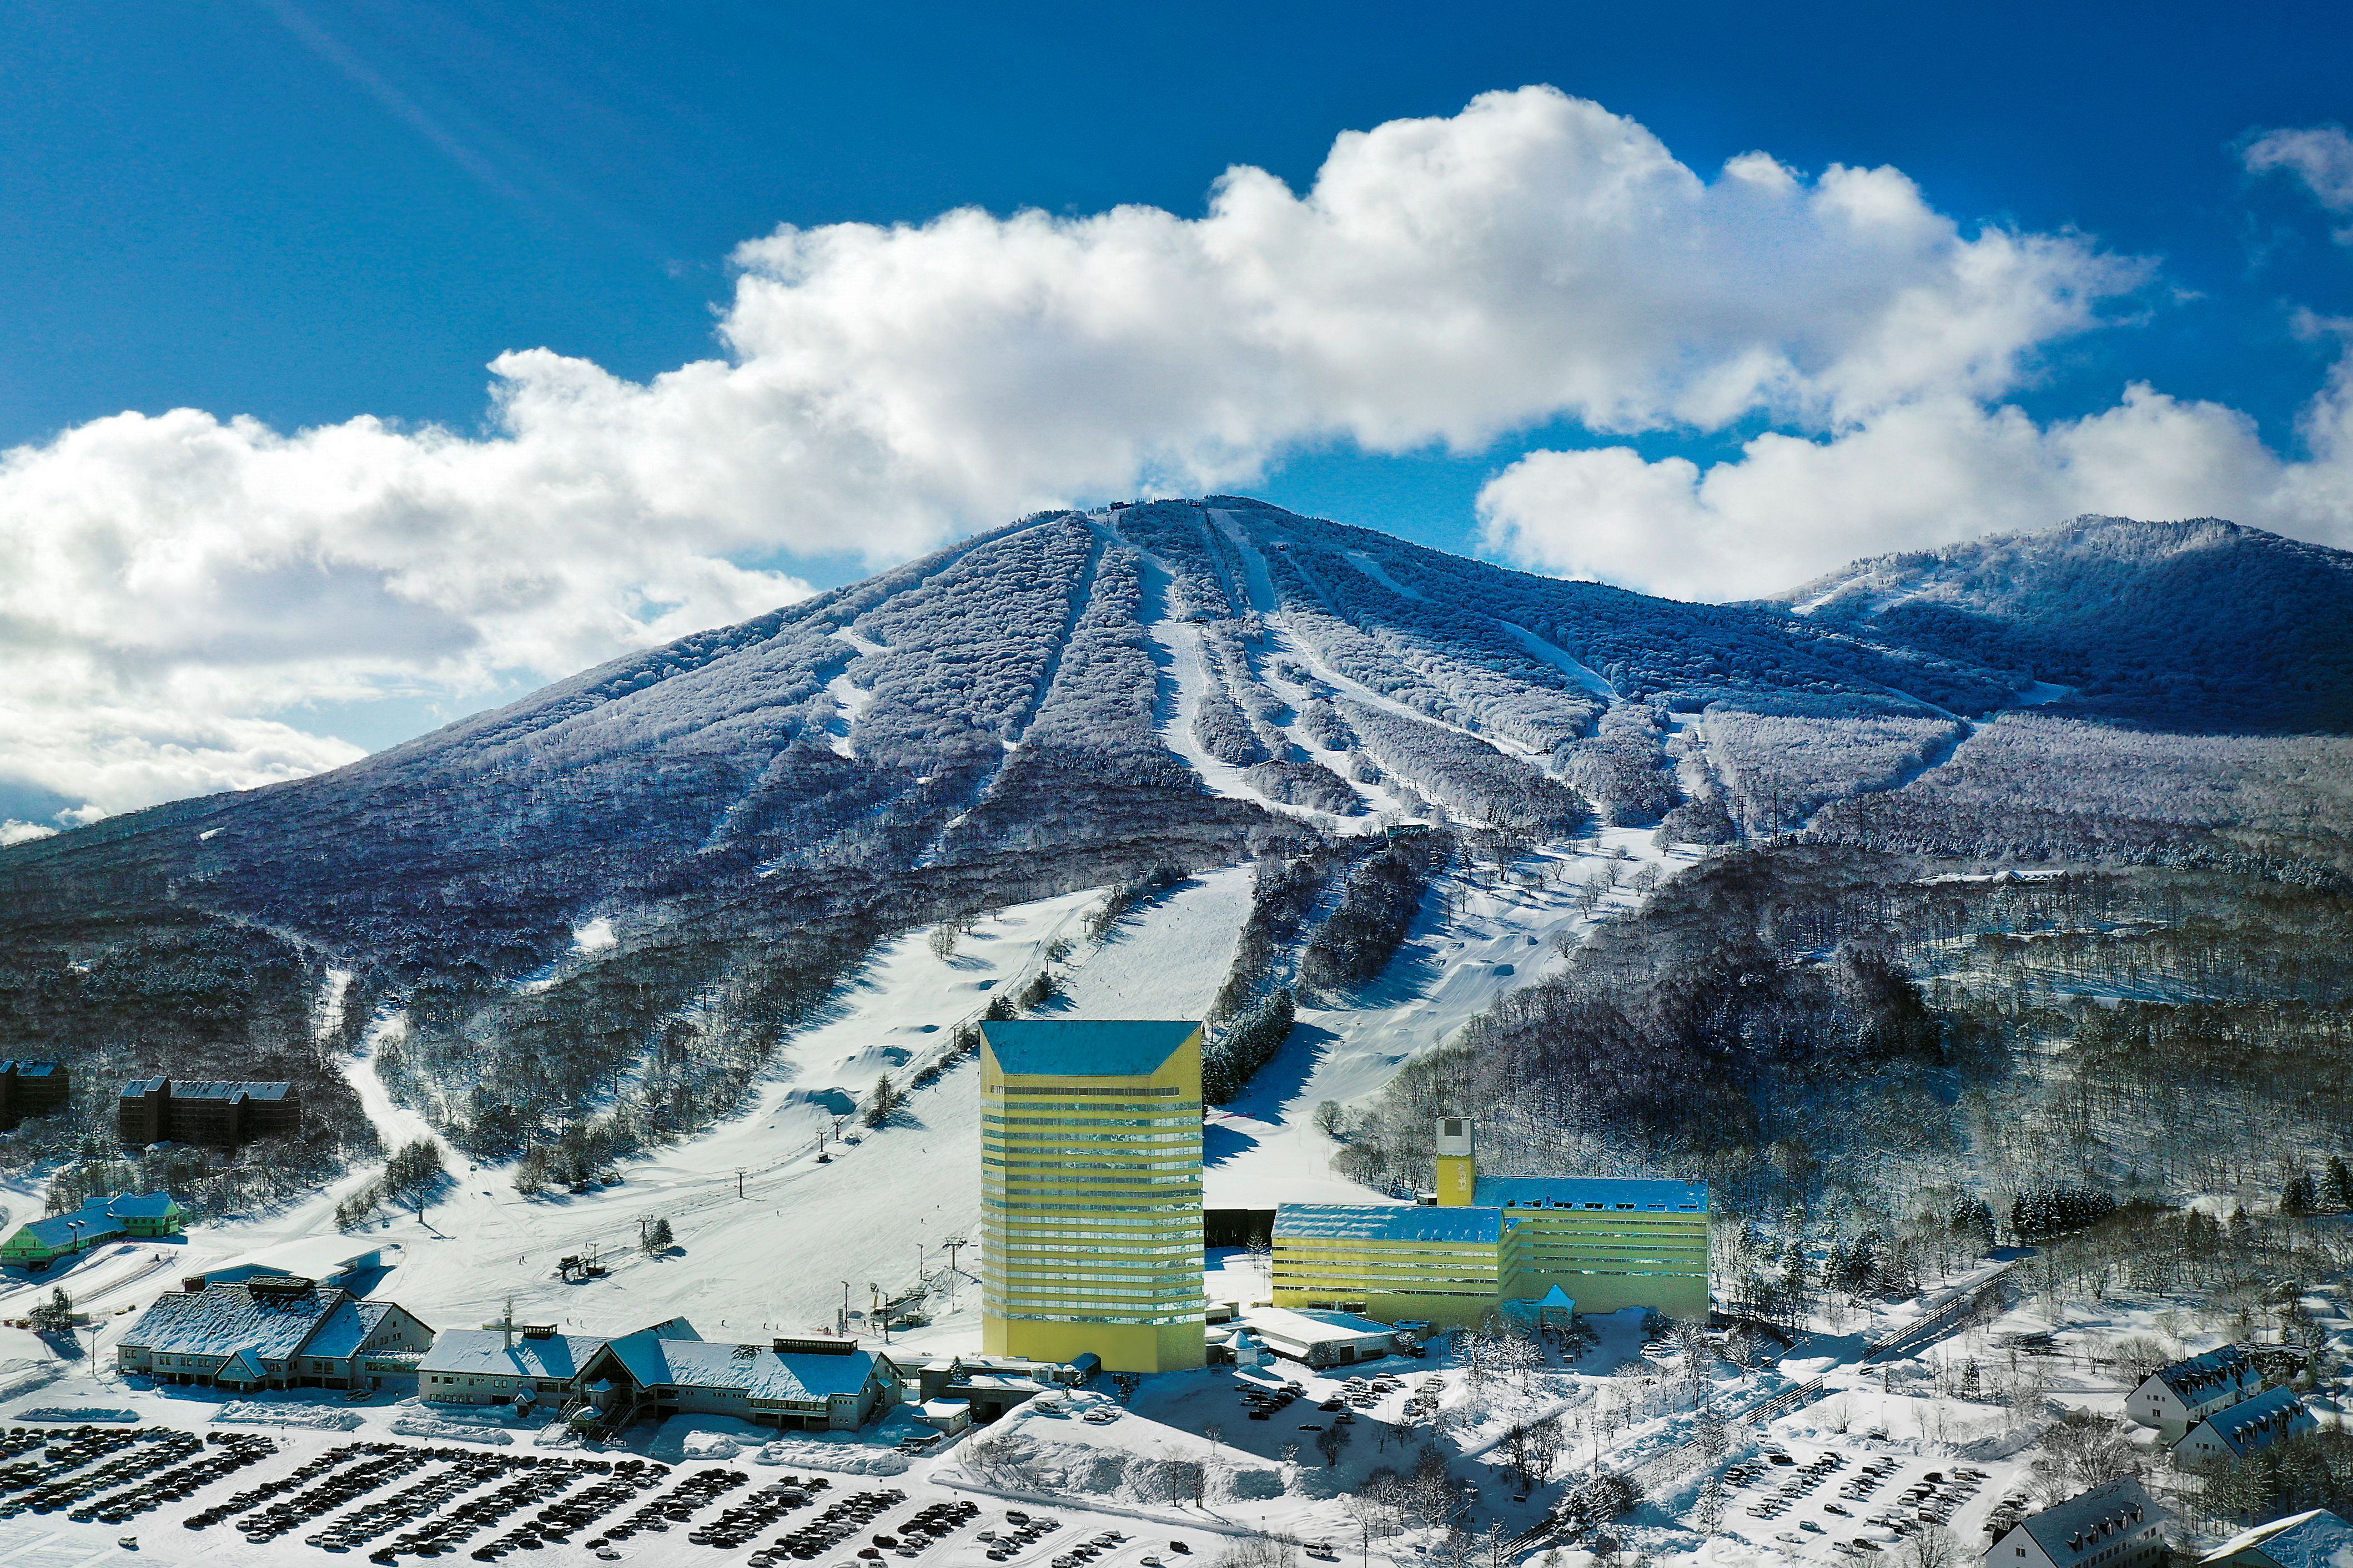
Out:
{"x": 308, "y": 213}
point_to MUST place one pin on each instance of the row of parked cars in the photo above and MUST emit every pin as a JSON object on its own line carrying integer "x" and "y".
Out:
{"x": 737, "y": 1525}
{"x": 64, "y": 1483}
{"x": 1931, "y": 1500}
{"x": 230, "y": 1452}
{"x": 837, "y": 1524}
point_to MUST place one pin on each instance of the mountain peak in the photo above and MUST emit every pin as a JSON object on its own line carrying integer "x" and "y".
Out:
{"x": 2198, "y": 622}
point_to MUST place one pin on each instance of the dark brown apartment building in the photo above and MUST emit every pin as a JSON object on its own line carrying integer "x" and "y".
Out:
{"x": 223, "y": 1113}
{"x": 30, "y": 1089}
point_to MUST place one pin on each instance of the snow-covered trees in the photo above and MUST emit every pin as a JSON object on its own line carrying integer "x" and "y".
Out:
{"x": 1466, "y": 774}
{"x": 1378, "y": 899}
{"x": 1248, "y": 1044}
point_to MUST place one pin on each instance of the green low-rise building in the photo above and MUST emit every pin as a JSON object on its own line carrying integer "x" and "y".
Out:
{"x": 126, "y": 1217}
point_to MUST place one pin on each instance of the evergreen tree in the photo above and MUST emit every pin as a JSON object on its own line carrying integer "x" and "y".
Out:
{"x": 54, "y": 1316}
{"x": 2337, "y": 1188}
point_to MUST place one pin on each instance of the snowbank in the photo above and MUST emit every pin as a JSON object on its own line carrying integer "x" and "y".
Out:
{"x": 311, "y": 1417}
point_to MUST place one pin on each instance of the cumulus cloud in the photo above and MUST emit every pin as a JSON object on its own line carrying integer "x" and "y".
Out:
{"x": 1442, "y": 280}
{"x": 1915, "y": 476}
{"x": 1943, "y": 464}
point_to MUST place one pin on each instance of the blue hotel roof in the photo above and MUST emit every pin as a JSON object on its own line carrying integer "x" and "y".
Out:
{"x": 1591, "y": 1191}
{"x": 1061, "y": 1047}
{"x": 1389, "y": 1222}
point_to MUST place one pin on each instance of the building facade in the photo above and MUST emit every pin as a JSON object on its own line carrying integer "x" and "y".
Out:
{"x": 222, "y": 1113}
{"x": 497, "y": 1366}
{"x": 126, "y": 1216}
{"x": 1452, "y": 1268}
{"x": 1090, "y": 1193}
{"x": 806, "y": 1384}
{"x": 1608, "y": 1244}
{"x": 273, "y": 1331}
{"x": 31, "y": 1089}
{"x": 2175, "y": 1398}
{"x": 2231, "y": 1433}
{"x": 2114, "y": 1525}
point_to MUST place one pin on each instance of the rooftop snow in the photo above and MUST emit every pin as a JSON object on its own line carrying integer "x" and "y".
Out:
{"x": 2120, "y": 1503}
{"x": 221, "y": 1319}
{"x": 485, "y": 1353}
{"x": 1311, "y": 1326}
{"x": 2262, "y": 1421}
{"x": 208, "y": 1089}
{"x": 346, "y": 1328}
{"x": 1389, "y": 1222}
{"x": 2315, "y": 1540}
{"x": 1591, "y": 1191}
{"x": 760, "y": 1372}
{"x": 1073, "y": 1049}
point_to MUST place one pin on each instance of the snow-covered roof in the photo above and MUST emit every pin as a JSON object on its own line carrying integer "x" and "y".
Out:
{"x": 99, "y": 1219}
{"x": 23, "y": 1068}
{"x": 1591, "y": 1193}
{"x": 2315, "y": 1540}
{"x": 1072, "y": 1047}
{"x": 1388, "y": 1221}
{"x": 207, "y": 1089}
{"x": 346, "y": 1328}
{"x": 2258, "y": 1422}
{"x": 2194, "y": 1377}
{"x": 222, "y": 1320}
{"x": 1313, "y": 1325}
{"x": 481, "y": 1352}
{"x": 760, "y": 1372}
{"x": 2071, "y": 1530}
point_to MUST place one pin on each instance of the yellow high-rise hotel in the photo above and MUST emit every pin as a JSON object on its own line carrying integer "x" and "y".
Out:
{"x": 1090, "y": 1193}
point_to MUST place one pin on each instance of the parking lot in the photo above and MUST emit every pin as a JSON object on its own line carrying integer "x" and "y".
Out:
{"x": 1857, "y": 1502}
{"x": 71, "y": 1496}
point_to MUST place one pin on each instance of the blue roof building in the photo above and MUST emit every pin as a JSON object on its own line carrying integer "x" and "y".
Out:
{"x": 122, "y": 1216}
{"x": 2235, "y": 1432}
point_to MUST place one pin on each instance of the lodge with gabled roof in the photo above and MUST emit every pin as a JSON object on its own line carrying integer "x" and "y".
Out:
{"x": 274, "y": 1332}
{"x": 2177, "y": 1397}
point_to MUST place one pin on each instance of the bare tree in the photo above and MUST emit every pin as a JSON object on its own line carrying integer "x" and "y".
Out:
{"x": 1935, "y": 1547}
{"x": 1373, "y": 1512}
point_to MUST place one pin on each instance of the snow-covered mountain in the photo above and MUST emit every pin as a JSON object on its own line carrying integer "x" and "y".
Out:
{"x": 625, "y": 887}
{"x": 2195, "y": 625}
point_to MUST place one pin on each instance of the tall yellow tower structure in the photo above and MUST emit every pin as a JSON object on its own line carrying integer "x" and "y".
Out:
{"x": 1457, "y": 1163}
{"x": 1090, "y": 1193}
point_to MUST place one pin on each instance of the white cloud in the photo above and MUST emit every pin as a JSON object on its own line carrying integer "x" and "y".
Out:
{"x": 2320, "y": 158}
{"x": 1915, "y": 475}
{"x": 1532, "y": 258}
{"x": 15, "y": 832}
